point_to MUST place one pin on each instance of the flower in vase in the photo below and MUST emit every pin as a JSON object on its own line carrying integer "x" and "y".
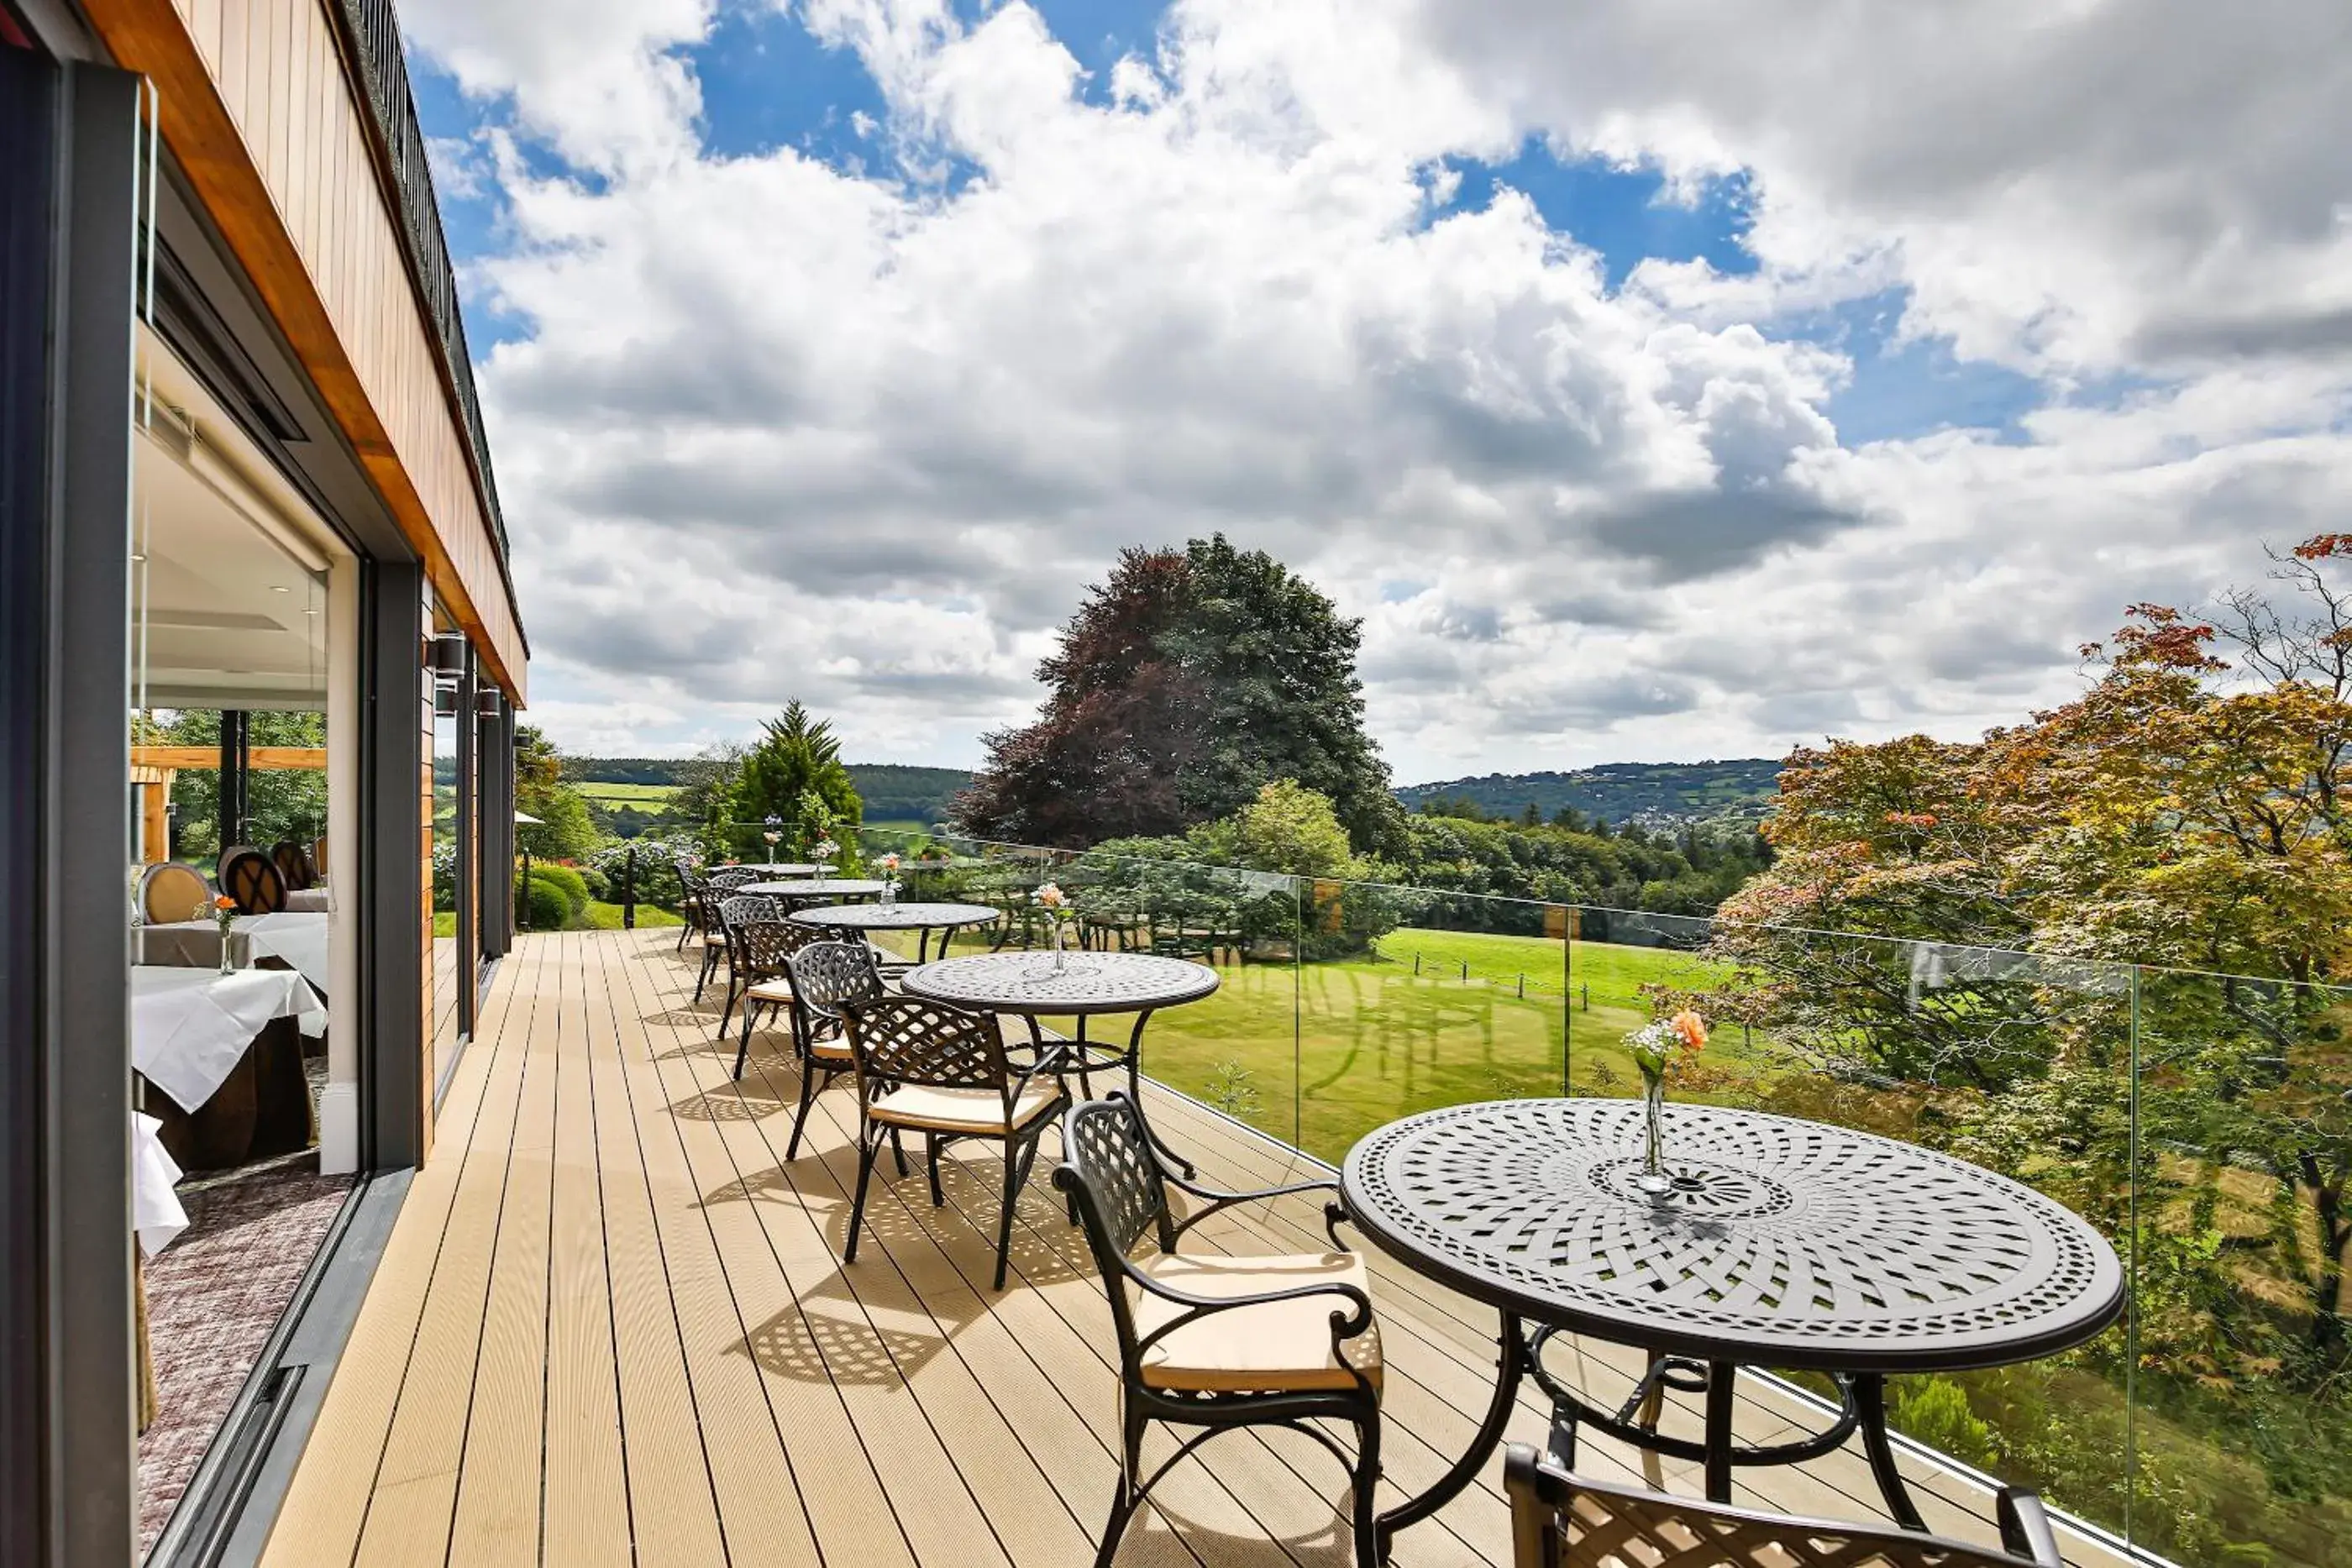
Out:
{"x": 1655, "y": 1045}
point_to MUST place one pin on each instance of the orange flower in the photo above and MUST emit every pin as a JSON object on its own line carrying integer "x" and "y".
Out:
{"x": 1691, "y": 1027}
{"x": 223, "y": 901}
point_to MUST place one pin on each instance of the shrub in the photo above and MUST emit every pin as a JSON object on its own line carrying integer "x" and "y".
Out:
{"x": 593, "y": 881}
{"x": 548, "y": 907}
{"x": 573, "y": 885}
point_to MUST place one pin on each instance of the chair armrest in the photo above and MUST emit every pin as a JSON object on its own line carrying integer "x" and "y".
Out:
{"x": 1344, "y": 1325}
{"x": 1333, "y": 1212}
{"x": 2025, "y": 1528}
{"x": 1049, "y": 1059}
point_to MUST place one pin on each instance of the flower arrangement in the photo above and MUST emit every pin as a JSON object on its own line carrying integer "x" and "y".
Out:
{"x": 889, "y": 864}
{"x": 824, "y": 852}
{"x": 1057, "y": 907}
{"x": 224, "y": 917}
{"x": 772, "y": 829}
{"x": 1655, "y": 1047}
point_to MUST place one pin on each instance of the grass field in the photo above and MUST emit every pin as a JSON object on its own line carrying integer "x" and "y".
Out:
{"x": 641, "y": 796}
{"x": 1320, "y": 1054}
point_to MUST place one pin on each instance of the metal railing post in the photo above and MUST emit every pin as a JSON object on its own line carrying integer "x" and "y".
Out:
{"x": 629, "y": 891}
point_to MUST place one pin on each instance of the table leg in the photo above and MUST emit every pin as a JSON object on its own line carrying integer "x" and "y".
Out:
{"x": 1870, "y": 1400}
{"x": 1722, "y": 1384}
{"x": 1510, "y": 1366}
{"x": 1135, "y": 1091}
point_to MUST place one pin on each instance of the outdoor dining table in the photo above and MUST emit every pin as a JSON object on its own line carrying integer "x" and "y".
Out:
{"x": 816, "y": 890}
{"x": 1781, "y": 1244}
{"x": 783, "y": 868}
{"x": 922, "y": 919}
{"x": 1029, "y": 986}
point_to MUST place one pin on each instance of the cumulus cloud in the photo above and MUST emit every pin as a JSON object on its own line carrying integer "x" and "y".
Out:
{"x": 775, "y": 428}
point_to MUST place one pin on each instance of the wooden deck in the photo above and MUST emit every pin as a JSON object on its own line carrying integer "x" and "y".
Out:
{"x": 612, "y": 1327}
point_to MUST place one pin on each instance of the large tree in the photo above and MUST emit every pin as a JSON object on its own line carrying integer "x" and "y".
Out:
{"x": 1184, "y": 685}
{"x": 794, "y": 774}
{"x": 2191, "y": 812}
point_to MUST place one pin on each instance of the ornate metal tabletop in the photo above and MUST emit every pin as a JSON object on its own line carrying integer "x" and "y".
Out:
{"x": 783, "y": 868}
{"x": 1784, "y": 1243}
{"x": 899, "y": 917}
{"x": 835, "y": 887}
{"x": 1788, "y": 1243}
{"x": 1090, "y": 982}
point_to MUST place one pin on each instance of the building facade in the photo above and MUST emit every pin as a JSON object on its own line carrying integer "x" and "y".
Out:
{"x": 258, "y": 639}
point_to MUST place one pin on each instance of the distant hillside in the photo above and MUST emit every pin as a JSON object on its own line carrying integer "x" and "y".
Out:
{"x": 1621, "y": 791}
{"x": 892, "y": 793}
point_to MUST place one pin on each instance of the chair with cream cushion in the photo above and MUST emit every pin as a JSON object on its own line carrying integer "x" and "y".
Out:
{"x": 713, "y": 892}
{"x": 827, "y": 977}
{"x": 172, "y": 891}
{"x": 1215, "y": 1342}
{"x": 761, "y": 954}
{"x": 930, "y": 1068}
{"x": 1562, "y": 1519}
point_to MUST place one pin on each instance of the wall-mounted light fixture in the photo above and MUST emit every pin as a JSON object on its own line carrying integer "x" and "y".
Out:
{"x": 448, "y": 654}
{"x": 486, "y": 701}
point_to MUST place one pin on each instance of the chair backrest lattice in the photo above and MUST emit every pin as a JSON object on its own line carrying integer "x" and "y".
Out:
{"x": 173, "y": 892}
{"x": 1560, "y": 1520}
{"x": 248, "y": 877}
{"x": 910, "y": 1039}
{"x": 768, "y": 945}
{"x": 829, "y": 975}
{"x": 728, "y": 878}
{"x": 1107, "y": 1152}
{"x": 738, "y": 909}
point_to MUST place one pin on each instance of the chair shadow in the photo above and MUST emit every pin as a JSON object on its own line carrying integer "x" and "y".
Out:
{"x": 827, "y": 1339}
{"x": 731, "y": 1103}
{"x": 965, "y": 1227}
{"x": 1332, "y": 1545}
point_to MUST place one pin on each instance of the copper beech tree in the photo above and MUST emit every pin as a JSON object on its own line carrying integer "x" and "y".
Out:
{"x": 2189, "y": 814}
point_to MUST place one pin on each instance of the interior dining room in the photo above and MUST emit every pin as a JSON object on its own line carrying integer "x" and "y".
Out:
{"x": 261, "y": 663}
{"x": 244, "y": 675}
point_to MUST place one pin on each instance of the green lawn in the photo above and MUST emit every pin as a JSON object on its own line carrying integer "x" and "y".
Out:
{"x": 640, "y": 794}
{"x": 1320, "y": 1054}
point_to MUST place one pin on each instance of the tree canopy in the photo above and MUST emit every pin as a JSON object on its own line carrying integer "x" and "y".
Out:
{"x": 793, "y": 773}
{"x": 1185, "y": 684}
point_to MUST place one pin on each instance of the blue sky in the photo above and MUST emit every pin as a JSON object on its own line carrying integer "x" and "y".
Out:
{"x": 767, "y": 82}
{"x": 838, "y": 369}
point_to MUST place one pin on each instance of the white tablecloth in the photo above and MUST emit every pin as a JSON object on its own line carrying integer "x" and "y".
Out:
{"x": 190, "y": 1027}
{"x": 308, "y": 901}
{"x": 301, "y": 939}
{"x": 156, "y": 1212}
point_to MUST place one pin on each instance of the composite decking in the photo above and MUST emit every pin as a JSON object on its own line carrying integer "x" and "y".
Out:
{"x": 612, "y": 1326}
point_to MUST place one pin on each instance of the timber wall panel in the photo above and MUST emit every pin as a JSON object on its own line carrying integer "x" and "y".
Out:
{"x": 278, "y": 76}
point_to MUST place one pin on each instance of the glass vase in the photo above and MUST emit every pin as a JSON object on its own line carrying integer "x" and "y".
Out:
{"x": 228, "y": 952}
{"x": 1653, "y": 1179}
{"x": 1061, "y": 953}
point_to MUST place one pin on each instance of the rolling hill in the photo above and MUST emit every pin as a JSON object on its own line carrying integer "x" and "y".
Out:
{"x": 1740, "y": 788}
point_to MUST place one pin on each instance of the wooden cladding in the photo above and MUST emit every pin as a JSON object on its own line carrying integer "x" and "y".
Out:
{"x": 258, "y": 109}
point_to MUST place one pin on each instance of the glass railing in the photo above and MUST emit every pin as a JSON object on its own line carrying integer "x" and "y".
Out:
{"x": 2201, "y": 1122}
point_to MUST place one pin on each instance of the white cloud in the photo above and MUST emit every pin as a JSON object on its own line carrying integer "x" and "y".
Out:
{"x": 777, "y": 429}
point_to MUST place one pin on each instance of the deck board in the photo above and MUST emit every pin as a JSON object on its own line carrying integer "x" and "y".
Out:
{"x": 613, "y": 1325}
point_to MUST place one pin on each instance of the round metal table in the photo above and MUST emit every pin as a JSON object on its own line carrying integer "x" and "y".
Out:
{"x": 816, "y": 890}
{"x": 1025, "y": 984}
{"x": 784, "y": 868}
{"x": 922, "y": 919}
{"x": 1786, "y": 1243}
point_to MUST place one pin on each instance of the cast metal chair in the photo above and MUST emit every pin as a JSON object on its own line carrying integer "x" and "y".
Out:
{"x": 930, "y": 1068}
{"x": 762, "y": 952}
{"x": 827, "y": 975}
{"x": 1560, "y": 1520}
{"x": 1217, "y": 1342}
